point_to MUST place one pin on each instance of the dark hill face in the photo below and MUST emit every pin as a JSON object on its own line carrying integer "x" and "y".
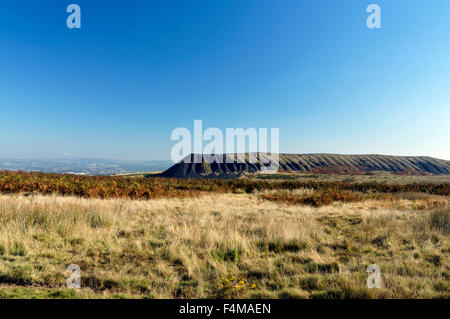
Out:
{"x": 315, "y": 163}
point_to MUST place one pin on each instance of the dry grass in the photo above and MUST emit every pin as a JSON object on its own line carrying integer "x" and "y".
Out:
{"x": 377, "y": 177}
{"x": 316, "y": 199}
{"x": 187, "y": 247}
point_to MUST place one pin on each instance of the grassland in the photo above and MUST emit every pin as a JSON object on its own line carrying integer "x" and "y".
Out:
{"x": 374, "y": 177}
{"x": 224, "y": 239}
{"x": 156, "y": 187}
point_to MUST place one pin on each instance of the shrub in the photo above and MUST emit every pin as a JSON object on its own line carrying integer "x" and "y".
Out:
{"x": 232, "y": 287}
{"x": 17, "y": 249}
{"x": 281, "y": 246}
{"x": 322, "y": 268}
{"x": 440, "y": 220}
{"x": 309, "y": 283}
{"x": 17, "y": 276}
{"x": 227, "y": 254}
{"x": 316, "y": 199}
{"x": 328, "y": 294}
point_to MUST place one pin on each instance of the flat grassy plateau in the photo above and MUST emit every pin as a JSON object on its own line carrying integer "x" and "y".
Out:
{"x": 301, "y": 237}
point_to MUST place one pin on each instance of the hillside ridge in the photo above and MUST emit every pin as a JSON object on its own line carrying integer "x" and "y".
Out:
{"x": 319, "y": 163}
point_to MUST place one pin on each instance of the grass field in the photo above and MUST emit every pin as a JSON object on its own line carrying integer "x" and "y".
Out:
{"x": 377, "y": 177}
{"x": 227, "y": 242}
{"x": 151, "y": 188}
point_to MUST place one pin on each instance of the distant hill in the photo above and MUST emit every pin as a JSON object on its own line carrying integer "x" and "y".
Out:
{"x": 317, "y": 164}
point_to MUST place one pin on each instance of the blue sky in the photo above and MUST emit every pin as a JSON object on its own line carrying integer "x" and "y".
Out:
{"x": 136, "y": 70}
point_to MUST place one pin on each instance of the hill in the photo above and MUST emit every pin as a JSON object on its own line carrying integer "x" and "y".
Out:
{"x": 315, "y": 163}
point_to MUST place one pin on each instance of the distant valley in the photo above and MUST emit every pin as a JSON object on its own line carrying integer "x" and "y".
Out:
{"x": 332, "y": 164}
{"x": 83, "y": 166}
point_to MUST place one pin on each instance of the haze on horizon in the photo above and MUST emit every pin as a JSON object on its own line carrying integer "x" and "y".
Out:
{"x": 116, "y": 88}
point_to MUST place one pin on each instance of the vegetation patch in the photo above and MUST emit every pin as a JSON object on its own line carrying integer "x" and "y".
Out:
{"x": 282, "y": 246}
{"x": 184, "y": 247}
{"x": 317, "y": 199}
{"x": 158, "y": 187}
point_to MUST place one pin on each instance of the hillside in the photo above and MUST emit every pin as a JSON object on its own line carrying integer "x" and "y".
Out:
{"x": 317, "y": 164}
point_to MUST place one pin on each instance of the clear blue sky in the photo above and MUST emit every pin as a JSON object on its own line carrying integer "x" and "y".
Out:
{"x": 138, "y": 69}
